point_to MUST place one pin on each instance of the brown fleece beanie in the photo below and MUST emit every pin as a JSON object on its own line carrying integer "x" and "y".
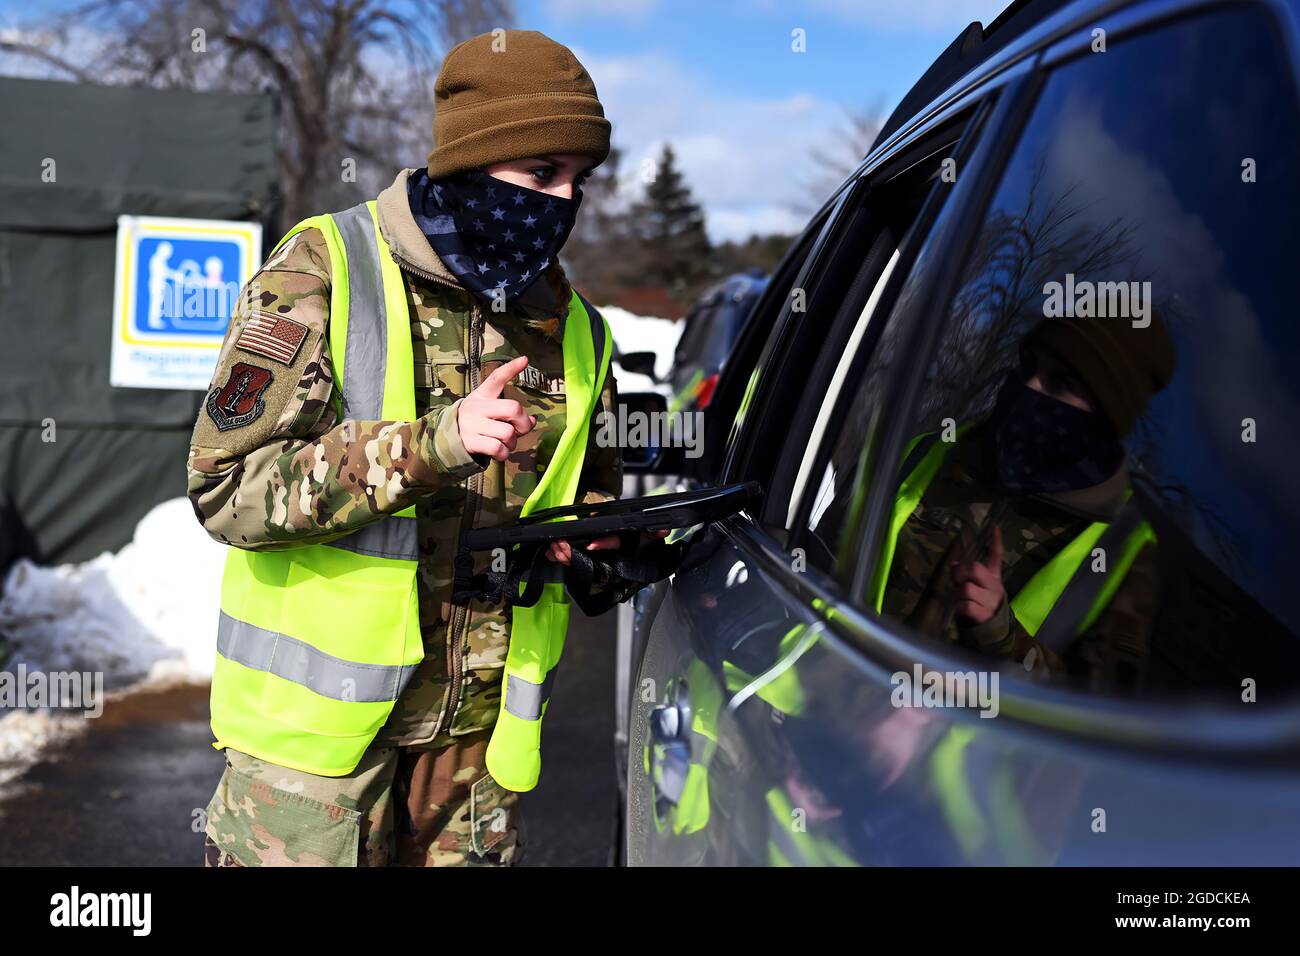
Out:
{"x": 511, "y": 96}
{"x": 1124, "y": 366}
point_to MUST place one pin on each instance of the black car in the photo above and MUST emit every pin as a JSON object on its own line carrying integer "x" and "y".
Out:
{"x": 712, "y": 327}
{"x": 768, "y": 693}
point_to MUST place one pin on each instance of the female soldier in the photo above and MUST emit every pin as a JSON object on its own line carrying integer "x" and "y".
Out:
{"x": 355, "y": 733}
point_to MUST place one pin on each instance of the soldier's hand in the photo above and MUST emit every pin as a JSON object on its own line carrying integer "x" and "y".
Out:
{"x": 489, "y": 424}
{"x": 561, "y": 552}
{"x": 979, "y": 584}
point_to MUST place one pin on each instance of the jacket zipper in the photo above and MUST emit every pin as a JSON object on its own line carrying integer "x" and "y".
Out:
{"x": 469, "y": 517}
{"x": 415, "y": 270}
{"x": 460, "y": 614}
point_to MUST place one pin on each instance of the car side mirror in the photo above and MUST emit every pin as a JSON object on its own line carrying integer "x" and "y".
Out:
{"x": 650, "y": 438}
{"x": 639, "y": 363}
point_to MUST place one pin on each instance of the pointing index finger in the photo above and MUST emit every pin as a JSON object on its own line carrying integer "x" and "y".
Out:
{"x": 994, "y": 562}
{"x": 492, "y": 385}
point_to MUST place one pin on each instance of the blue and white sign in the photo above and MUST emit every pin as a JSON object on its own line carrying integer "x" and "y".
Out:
{"x": 178, "y": 281}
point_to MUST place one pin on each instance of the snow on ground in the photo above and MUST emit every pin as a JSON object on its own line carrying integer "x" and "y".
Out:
{"x": 640, "y": 333}
{"x": 148, "y": 611}
{"x": 145, "y": 615}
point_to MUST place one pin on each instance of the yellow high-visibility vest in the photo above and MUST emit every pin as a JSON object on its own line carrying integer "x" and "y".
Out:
{"x": 316, "y": 643}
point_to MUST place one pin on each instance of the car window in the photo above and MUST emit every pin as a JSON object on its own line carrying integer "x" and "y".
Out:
{"x": 1096, "y": 486}
{"x": 859, "y": 333}
{"x": 725, "y": 417}
{"x": 742, "y": 305}
{"x": 693, "y": 336}
{"x": 714, "y": 349}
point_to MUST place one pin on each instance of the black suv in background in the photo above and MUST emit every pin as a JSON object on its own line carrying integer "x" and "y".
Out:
{"x": 712, "y": 327}
{"x": 772, "y": 687}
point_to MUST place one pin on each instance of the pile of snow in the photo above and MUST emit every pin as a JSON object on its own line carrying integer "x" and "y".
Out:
{"x": 147, "y": 612}
{"x": 642, "y": 333}
{"x": 143, "y": 616}
{"x": 25, "y": 734}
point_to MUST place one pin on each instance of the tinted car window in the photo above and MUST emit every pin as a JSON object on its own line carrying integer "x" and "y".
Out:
{"x": 728, "y": 424}
{"x": 694, "y": 335}
{"x": 712, "y": 329}
{"x": 858, "y": 359}
{"x": 1098, "y": 483}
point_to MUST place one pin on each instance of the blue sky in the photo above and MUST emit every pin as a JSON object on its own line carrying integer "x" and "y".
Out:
{"x": 718, "y": 79}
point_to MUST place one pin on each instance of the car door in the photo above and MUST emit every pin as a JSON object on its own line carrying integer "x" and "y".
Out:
{"x": 715, "y": 708}
{"x": 1139, "y": 734}
{"x": 683, "y": 474}
{"x": 768, "y": 724}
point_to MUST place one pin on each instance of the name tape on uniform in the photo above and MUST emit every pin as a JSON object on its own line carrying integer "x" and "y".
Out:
{"x": 536, "y": 378}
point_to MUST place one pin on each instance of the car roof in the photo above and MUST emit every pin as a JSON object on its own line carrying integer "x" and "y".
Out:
{"x": 734, "y": 286}
{"x": 973, "y": 46}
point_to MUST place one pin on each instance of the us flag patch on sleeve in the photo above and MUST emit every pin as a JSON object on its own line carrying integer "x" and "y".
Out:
{"x": 273, "y": 336}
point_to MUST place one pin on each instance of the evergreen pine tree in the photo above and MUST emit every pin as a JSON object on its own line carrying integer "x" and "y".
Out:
{"x": 669, "y": 226}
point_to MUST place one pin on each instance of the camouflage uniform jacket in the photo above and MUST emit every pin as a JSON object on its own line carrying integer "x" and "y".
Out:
{"x": 953, "y": 516}
{"x": 295, "y": 473}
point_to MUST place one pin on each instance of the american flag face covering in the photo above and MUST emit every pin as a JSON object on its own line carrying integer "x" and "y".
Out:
{"x": 494, "y": 236}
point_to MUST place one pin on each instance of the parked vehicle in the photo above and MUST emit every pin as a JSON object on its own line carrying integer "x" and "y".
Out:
{"x": 759, "y": 691}
{"x": 712, "y": 326}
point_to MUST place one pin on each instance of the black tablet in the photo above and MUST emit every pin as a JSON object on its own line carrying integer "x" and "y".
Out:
{"x": 650, "y": 513}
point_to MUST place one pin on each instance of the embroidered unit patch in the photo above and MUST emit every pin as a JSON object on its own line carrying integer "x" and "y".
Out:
{"x": 239, "y": 401}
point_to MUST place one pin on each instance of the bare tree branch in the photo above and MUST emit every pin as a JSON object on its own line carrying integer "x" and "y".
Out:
{"x": 355, "y": 77}
{"x": 46, "y": 57}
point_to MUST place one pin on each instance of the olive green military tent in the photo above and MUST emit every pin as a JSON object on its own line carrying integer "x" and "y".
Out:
{"x": 116, "y": 452}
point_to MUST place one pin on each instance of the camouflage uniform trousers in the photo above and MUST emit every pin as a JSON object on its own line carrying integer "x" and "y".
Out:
{"x": 433, "y": 805}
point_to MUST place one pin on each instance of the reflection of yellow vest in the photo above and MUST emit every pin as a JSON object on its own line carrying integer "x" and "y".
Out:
{"x": 690, "y": 814}
{"x": 316, "y": 643}
{"x": 1033, "y": 602}
{"x": 789, "y": 843}
{"x": 961, "y": 807}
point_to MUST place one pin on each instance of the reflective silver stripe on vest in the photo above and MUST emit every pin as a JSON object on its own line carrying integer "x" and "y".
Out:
{"x": 366, "y": 351}
{"x": 391, "y": 537}
{"x": 299, "y": 662}
{"x": 525, "y": 699}
{"x": 364, "y": 368}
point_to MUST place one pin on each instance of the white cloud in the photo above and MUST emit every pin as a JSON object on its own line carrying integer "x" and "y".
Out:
{"x": 1223, "y": 352}
{"x": 739, "y": 223}
{"x": 76, "y": 45}
{"x": 746, "y": 159}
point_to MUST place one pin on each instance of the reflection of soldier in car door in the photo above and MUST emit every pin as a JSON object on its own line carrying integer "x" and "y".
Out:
{"x": 1016, "y": 536}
